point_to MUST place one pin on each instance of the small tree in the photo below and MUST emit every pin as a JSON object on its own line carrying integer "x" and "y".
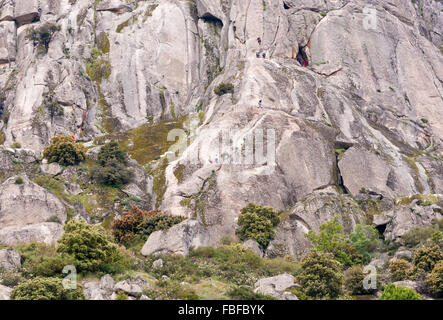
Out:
{"x": 45, "y": 289}
{"x": 399, "y": 269}
{"x": 257, "y": 222}
{"x": 89, "y": 245}
{"x": 65, "y": 151}
{"x": 392, "y": 292}
{"x": 111, "y": 169}
{"x": 354, "y": 281}
{"x": 435, "y": 280}
{"x": 321, "y": 275}
{"x": 364, "y": 239}
{"x": 332, "y": 239}
{"x": 224, "y": 88}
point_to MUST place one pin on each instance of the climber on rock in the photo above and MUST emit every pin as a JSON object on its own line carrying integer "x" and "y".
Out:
{"x": 258, "y": 54}
{"x": 264, "y": 55}
{"x": 260, "y": 104}
{"x": 259, "y": 41}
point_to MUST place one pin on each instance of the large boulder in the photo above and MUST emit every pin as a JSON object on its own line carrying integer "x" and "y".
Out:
{"x": 47, "y": 232}
{"x": 5, "y": 292}
{"x": 178, "y": 239}
{"x": 26, "y": 11}
{"x": 277, "y": 286}
{"x": 27, "y": 203}
{"x": 7, "y": 41}
{"x": 99, "y": 290}
{"x": 252, "y": 245}
{"x": 132, "y": 287}
{"x": 10, "y": 260}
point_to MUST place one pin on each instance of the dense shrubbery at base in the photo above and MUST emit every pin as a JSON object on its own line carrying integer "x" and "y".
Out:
{"x": 399, "y": 269}
{"x": 91, "y": 248}
{"x": 354, "y": 277}
{"x": 45, "y": 289}
{"x": 435, "y": 280}
{"x": 232, "y": 263}
{"x": 392, "y": 292}
{"x": 321, "y": 275}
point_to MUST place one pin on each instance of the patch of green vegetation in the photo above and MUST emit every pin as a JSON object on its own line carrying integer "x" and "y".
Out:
{"x": 159, "y": 177}
{"x": 424, "y": 200}
{"x": 179, "y": 173}
{"x": 123, "y": 25}
{"x": 103, "y": 43}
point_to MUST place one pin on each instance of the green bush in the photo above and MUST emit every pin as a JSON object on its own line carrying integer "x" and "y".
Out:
{"x": 19, "y": 180}
{"x": 332, "y": 239}
{"x": 16, "y": 145}
{"x": 224, "y": 88}
{"x": 39, "y": 259}
{"x": 321, "y": 275}
{"x": 111, "y": 152}
{"x": 45, "y": 289}
{"x": 114, "y": 174}
{"x": 42, "y": 36}
{"x": 111, "y": 169}
{"x": 399, "y": 269}
{"x": 91, "y": 248}
{"x": 354, "y": 277}
{"x": 10, "y": 279}
{"x": 65, "y": 151}
{"x": 257, "y": 222}
{"x": 417, "y": 235}
{"x": 425, "y": 258}
{"x": 365, "y": 240}
{"x": 434, "y": 280}
{"x": 392, "y": 292}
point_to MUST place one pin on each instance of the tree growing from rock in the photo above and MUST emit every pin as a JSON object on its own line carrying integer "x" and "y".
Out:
{"x": 257, "y": 222}
{"x": 321, "y": 275}
{"x": 65, "y": 151}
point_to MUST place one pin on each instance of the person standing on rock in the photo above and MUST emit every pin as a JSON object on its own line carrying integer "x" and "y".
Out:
{"x": 260, "y": 104}
{"x": 259, "y": 41}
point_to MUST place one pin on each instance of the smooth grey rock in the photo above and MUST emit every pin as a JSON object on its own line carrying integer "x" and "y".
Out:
{"x": 252, "y": 245}
{"x": 132, "y": 287}
{"x": 5, "y": 292}
{"x": 276, "y": 286}
{"x": 177, "y": 240}
{"x": 10, "y": 260}
{"x": 52, "y": 169}
{"x": 157, "y": 264}
{"x": 47, "y": 232}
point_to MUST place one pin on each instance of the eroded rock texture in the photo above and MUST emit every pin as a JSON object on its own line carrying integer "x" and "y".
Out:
{"x": 361, "y": 109}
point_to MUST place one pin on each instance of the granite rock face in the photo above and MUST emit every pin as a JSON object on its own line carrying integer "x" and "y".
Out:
{"x": 349, "y": 95}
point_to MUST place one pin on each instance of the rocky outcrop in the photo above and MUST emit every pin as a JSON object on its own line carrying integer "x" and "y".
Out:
{"x": 252, "y": 245}
{"x": 177, "y": 240}
{"x": 107, "y": 289}
{"x": 10, "y": 260}
{"x": 308, "y": 214}
{"x": 25, "y": 209}
{"x": 276, "y": 286}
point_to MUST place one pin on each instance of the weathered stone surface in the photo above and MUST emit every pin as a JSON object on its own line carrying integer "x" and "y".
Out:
{"x": 157, "y": 264}
{"x": 276, "y": 286}
{"x": 52, "y": 169}
{"x": 26, "y": 11}
{"x": 99, "y": 290}
{"x": 10, "y": 260}
{"x": 252, "y": 245}
{"x": 404, "y": 218}
{"x": 177, "y": 240}
{"x": 308, "y": 214}
{"x": 7, "y": 41}
{"x": 47, "y": 232}
{"x": 27, "y": 203}
{"x": 132, "y": 287}
{"x": 5, "y": 292}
